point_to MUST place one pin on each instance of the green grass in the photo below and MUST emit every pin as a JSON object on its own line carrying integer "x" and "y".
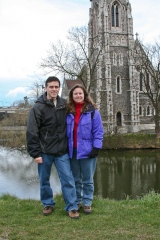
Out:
{"x": 111, "y": 219}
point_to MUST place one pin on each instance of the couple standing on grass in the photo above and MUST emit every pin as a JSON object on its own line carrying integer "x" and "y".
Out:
{"x": 70, "y": 136}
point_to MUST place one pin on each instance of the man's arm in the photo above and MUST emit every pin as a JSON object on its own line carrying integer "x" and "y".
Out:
{"x": 32, "y": 134}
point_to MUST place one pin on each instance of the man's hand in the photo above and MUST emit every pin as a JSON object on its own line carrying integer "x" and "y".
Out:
{"x": 38, "y": 160}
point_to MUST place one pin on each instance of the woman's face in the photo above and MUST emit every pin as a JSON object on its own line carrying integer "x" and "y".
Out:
{"x": 78, "y": 95}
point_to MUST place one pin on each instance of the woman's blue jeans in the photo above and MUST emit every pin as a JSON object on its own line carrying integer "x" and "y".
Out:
{"x": 62, "y": 164}
{"x": 83, "y": 172}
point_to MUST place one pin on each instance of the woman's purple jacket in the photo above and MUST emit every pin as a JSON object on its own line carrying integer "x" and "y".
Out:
{"x": 89, "y": 133}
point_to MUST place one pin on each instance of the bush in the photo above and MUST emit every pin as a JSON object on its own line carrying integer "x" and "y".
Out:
{"x": 10, "y": 136}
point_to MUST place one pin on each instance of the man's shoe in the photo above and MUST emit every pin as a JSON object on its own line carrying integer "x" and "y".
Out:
{"x": 73, "y": 214}
{"x": 47, "y": 210}
{"x": 87, "y": 209}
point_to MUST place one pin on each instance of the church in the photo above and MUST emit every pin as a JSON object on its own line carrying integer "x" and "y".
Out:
{"x": 118, "y": 88}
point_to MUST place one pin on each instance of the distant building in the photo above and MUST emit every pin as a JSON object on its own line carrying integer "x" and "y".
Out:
{"x": 67, "y": 85}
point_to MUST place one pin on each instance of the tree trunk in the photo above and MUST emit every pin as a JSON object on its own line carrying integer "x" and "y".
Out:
{"x": 157, "y": 127}
{"x": 158, "y": 135}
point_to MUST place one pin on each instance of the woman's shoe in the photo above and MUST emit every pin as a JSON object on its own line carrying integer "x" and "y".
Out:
{"x": 73, "y": 214}
{"x": 87, "y": 209}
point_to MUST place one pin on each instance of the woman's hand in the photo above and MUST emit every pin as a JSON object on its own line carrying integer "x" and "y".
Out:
{"x": 94, "y": 153}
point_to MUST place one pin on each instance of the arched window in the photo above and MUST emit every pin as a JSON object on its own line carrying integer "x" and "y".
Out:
{"x": 119, "y": 119}
{"x": 147, "y": 78}
{"x": 148, "y": 110}
{"x": 114, "y": 58}
{"x": 154, "y": 112}
{"x": 147, "y": 81}
{"x": 118, "y": 85}
{"x": 141, "y": 82}
{"x": 120, "y": 59}
{"x": 112, "y": 16}
{"x": 115, "y": 15}
{"x": 140, "y": 110}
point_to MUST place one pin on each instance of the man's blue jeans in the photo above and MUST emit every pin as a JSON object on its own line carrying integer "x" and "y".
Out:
{"x": 83, "y": 172}
{"x": 62, "y": 164}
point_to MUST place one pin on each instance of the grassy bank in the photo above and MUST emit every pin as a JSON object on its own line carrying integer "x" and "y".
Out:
{"x": 126, "y": 219}
{"x": 15, "y": 139}
{"x": 131, "y": 141}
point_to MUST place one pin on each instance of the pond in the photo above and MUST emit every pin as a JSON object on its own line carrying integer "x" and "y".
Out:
{"x": 119, "y": 174}
{"x": 130, "y": 173}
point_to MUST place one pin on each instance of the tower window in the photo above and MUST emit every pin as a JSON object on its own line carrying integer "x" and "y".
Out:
{"x": 141, "y": 82}
{"x": 120, "y": 59}
{"x": 114, "y": 58}
{"x": 118, "y": 85}
{"x": 112, "y": 16}
{"x": 147, "y": 81}
{"x": 115, "y": 15}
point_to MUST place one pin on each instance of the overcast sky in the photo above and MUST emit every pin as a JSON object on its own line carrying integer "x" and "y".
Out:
{"x": 27, "y": 27}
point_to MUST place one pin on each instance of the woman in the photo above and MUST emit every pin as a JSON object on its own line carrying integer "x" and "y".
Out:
{"x": 85, "y": 136}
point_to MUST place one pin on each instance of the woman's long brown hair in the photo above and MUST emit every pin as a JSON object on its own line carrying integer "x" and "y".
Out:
{"x": 87, "y": 99}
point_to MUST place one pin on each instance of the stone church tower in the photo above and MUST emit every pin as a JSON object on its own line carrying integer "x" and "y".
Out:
{"x": 116, "y": 81}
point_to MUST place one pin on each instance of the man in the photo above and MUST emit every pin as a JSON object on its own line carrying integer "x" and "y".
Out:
{"x": 47, "y": 144}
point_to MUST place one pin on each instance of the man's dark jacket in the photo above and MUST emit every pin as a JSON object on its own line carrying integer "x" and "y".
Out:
{"x": 46, "y": 128}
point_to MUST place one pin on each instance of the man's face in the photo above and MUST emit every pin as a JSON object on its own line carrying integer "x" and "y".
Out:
{"x": 52, "y": 90}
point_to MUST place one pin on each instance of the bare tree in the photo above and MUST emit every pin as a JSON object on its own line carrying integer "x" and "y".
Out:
{"x": 146, "y": 59}
{"x": 75, "y": 59}
{"x": 36, "y": 89}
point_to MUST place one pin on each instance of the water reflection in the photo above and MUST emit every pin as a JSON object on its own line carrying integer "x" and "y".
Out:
{"x": 19, "y": 177}
{"x": 118, "y": 174}
{"x": 127, "y": 173}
